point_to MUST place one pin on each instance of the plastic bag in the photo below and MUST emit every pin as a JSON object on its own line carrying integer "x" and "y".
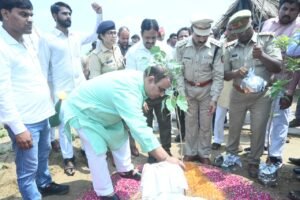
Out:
{"x": 252, "y": 83}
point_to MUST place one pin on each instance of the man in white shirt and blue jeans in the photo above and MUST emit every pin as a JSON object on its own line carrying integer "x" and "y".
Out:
{"x": 25, "y": 102}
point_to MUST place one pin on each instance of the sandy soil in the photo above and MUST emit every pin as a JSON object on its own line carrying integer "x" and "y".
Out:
{"x": 81, "y": 182}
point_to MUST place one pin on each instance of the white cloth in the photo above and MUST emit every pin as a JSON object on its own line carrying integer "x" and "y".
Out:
{"x": 219, "y": 124}
{"x": 24, "y": 94}
{"x": 138, "y": 56}
{"x": 162, "y": 178}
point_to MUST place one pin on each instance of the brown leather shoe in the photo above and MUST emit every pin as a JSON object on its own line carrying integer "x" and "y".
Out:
{"x": 253, "y": 170}
{"x": 205, "y": 161}
{"x": 187, "y": 158}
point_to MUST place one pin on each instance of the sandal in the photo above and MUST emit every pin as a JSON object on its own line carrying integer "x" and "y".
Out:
{"x": 132, "y": 174}
{"x": 69, "y": 167}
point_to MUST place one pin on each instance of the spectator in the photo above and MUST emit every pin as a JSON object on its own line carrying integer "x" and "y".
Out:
{"x": 25, "y": 102}
{"x": 61, "y": 63}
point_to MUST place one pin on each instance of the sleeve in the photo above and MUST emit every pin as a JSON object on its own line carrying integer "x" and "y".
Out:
{"x": 129, "y": 105}
{"x": 180, "y": 76}
{"x": 44, "y": 55}
{"x": 130, "y": 60}
{"x": 8, "y": 111}
{"x": 94, "y": 66}
{"x": 218, "y": 76}
{"x": 271, "y": 49}
{"x": 293, "y": 83}
{"x": 85, "y": 39}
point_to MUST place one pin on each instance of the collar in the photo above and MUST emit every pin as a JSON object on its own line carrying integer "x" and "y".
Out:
{"x": 101, "y": 48}
{"x": 253, "y": 39}
{"x": 191, "y": 43}
{"x": 58, "y": 32}
{"x": 7, "y": 38}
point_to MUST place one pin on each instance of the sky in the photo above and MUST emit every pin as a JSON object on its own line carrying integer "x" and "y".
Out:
{"x": 171, "y": 14}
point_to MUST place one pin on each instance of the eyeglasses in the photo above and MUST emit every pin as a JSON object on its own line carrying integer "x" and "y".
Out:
{"x": 111, "y": 33}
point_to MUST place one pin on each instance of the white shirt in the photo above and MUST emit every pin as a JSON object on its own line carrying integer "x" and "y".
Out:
{"x": 138, "y": 56}
{"x": 61, "y": 60}
{"x": 24, "y": 93}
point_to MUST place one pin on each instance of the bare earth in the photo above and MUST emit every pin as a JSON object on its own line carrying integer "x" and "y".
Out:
{"x": 81, "y": 181}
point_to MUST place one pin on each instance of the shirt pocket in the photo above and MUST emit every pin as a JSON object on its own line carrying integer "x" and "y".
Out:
{"x": 235, "y": 61}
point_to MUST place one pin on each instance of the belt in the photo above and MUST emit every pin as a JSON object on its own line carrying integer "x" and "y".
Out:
{"x": 199, "y": 84}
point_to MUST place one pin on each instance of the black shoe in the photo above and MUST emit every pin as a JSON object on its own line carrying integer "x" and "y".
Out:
{"x": 151, "y": 160}
{"x": 296, "y": 170}
{"x": 54, "y": 189}
{"x": 294, "y": 195}
{"x": 215, "y": 146}
{"x": 295, "y": 161}
{"x": 247, "y": 149}
{"x": 132, "y": 174}
{"x": 294, "y": 123}
{"x": 177, "y": 138}
{"x": 114, "y": 197}
{"x": 275, "y": 161}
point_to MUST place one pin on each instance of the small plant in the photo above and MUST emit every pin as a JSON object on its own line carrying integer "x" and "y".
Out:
{"x": 175, "y": 98}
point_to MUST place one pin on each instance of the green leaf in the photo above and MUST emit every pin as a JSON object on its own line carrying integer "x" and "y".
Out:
{"x": 171, "y": 104}
{"x": 182, "y": 103}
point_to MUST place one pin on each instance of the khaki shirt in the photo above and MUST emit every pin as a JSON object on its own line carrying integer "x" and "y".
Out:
{"x": 103, "y": 60}
{"x": 197, "y": 64}
{"x": 237, "y": 55}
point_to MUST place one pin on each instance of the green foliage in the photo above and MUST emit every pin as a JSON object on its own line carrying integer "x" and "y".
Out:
{"x": 174, "y": 70}
{"x": 277, "y": 87}
{"x": 282, "y": 42}
{"x": 291, "y": 64}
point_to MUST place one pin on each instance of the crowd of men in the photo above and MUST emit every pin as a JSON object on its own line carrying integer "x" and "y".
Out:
{"x": 114, "y": 92}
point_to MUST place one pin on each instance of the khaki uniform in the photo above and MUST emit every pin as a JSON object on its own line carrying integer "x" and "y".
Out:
{"x": 237, "y": 55}
{"x": 197, "y": 68}
{"x": 103, "y": 60}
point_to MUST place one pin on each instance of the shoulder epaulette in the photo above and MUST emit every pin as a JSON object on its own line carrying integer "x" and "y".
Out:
{"x": 181, "y": 43}
{"x": 215, "y": 42}
{"x": 230, "y": 43}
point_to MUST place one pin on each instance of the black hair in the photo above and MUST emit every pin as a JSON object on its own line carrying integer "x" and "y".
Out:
{"x": 184, "y": 29}
{"x": 172, "y": 35}
{"x": 135, "y": 36}
{"x": 281, "y": 2}
{"x": 149, "y": 24}
{"x": 10, "y": 4}
{"x": 158, "y": 72}
{"x": 56, "y": 7}
{"x": 122, "y": 28}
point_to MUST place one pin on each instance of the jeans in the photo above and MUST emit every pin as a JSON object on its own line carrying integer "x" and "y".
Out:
{"x": 32, "y": 164}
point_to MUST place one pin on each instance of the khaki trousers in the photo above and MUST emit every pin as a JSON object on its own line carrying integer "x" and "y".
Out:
{"x": 258, "y": 104}
{"x": 198, "y": 122}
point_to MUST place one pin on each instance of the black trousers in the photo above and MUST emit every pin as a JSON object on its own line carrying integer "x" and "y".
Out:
{"x": 163, "y": 119}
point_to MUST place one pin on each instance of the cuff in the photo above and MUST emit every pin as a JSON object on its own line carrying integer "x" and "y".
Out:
{"x": 16, "y": 127}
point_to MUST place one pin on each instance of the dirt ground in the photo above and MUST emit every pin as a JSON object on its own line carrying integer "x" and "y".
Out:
{"x": 81, "y": 182}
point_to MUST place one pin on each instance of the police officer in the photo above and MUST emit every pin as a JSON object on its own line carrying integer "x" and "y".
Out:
{"x": 258, "y": 52}
{"x": 202, "y": 81}
{"x": 107, "y": 55}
